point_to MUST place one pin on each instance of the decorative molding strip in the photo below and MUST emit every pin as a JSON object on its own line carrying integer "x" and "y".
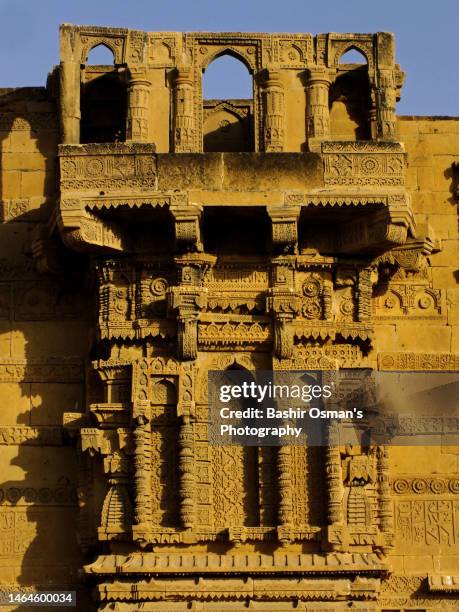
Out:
{"x": 413, "y": 484}
{"x": 443, "y": 583}
{"x": 185, "y": 563}
{"x": 418, "y": 361}
{"x": 36, "y": 436}
{"x": 65, "y": 495}
{"x": 50, "y": 370}
{"x": 107, "y": 166}
{"x": 149, "y": 199}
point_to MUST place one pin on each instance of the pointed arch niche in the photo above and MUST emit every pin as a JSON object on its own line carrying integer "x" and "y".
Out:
{"x": 103, "y": 98}
{"x": 350, "y": 99}
{"x": 228, "y": 108}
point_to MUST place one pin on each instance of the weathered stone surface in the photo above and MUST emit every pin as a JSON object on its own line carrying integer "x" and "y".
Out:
{"x": 148, "y": 236}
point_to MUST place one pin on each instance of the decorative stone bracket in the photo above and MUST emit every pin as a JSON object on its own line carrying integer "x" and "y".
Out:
{"x": 284, "y": 223}
{"x": 284, "y": 304}
{"x": 187, "y": 227}
{"x": 188, "y": 299}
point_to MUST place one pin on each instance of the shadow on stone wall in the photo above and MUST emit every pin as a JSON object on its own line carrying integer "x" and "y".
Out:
{"x": 44, "y": 331}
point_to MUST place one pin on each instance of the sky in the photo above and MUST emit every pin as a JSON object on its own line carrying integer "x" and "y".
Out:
{"x": 427, "y": 36}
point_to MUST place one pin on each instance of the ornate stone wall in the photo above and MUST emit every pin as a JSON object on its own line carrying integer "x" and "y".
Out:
{"x": 130, "y": 268}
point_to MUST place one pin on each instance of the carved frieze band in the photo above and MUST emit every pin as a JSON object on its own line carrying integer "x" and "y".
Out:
{"x": 36, "y": 436}
{"x": 363, "y": 163}
{"x": 410, "y": 485}
{"x": 52, "y": 370}
{"x": 418, "y": 361}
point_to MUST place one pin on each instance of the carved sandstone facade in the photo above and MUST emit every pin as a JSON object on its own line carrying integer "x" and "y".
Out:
{"x": 149, "y": 236}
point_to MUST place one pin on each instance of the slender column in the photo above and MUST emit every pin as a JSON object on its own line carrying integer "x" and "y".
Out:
{"x": 318, "y": 113}
{"x": 284, "y": 465}
{"x": 334, "y": 480}
{"x": 364, "y": 293}
{"x": 385, "y": 105}
{"x": 274, "y": 111}
{"x": 138, "y": 103}
{"x": 142, "y": 479}
{"x": 386, "y": 519}
{"x": 327, "y": 300}
{"x": 184, "y": 128}
{"x": 69, "y": 102}
{"x": 187, "y": 476}
{"x": 373, "y": 111}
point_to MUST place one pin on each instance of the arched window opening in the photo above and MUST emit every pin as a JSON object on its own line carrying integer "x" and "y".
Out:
{"x": 353, "y": 56}
{"x": 350, "y": 105}
{"x": 227, "y": 106}
{"x": 103, "y": 99}
{"x": 100, "y": 55}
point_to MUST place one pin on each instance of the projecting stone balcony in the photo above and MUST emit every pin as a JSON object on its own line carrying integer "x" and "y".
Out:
{"x": 357, "y": 188}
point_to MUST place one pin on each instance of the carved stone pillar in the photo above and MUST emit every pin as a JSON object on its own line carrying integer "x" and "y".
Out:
{"x": 184, "y": 123}
{"x": 274, "y": 112}
{"x": 69, "y": 102}
{"x": 318, "y": 112}
{"x": 386, "y": 519}
{"x": 364, "y": 293}
{"x": 385, "y": 105}
{"x": 142, "y": 477}
{"x": 335, "y": 484}
{"x": 284, "y": 466}
{"x": 187, "y": 475}
{"x": 334, "y": 478}
{"x": 138, "y": 103}
{"x": 373, "y": 111}
{"x": 187, "y": 299}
